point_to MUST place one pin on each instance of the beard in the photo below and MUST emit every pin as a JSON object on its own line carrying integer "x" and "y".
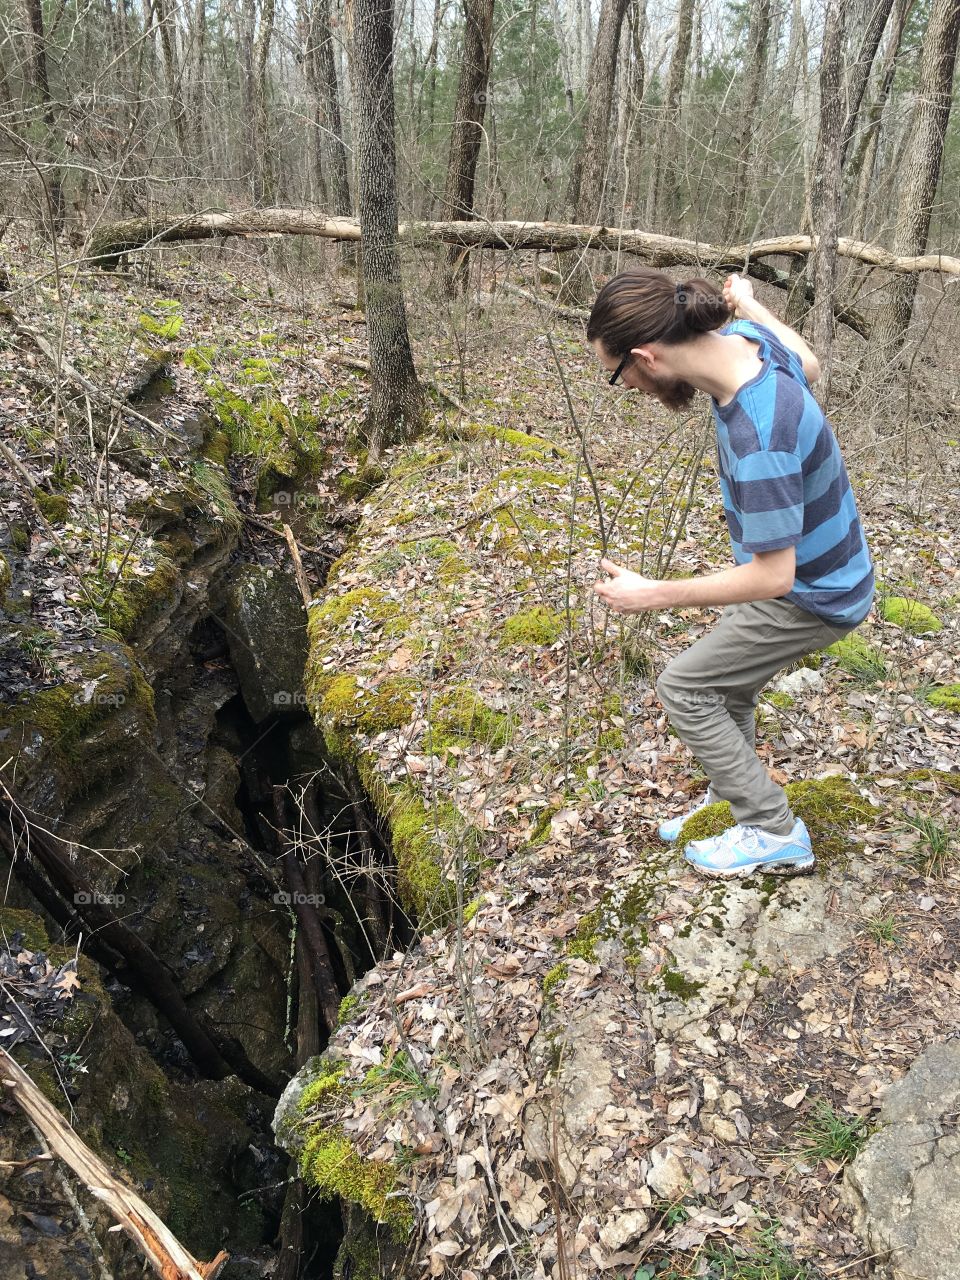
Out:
{"x": 672, "y": 392}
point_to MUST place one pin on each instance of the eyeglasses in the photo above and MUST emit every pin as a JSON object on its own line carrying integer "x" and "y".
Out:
{"x": 619, "y": 369}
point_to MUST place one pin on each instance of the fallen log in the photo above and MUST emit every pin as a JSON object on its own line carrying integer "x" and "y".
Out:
{"x": 161, "y": 1248}
{"x": 111, "y": 242}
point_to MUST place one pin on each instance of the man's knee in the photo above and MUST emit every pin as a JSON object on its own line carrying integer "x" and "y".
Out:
{"x": 681, "y": 698}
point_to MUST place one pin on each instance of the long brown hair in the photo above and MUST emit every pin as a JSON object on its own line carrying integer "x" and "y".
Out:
{"x": 644, "y": 305}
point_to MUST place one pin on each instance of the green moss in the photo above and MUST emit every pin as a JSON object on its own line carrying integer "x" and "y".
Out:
{"x": 471, "y": 909}
{"x": 138, "y": 597}
{"x": 828, "y": 806}
{"x": 63, "y": 714}
{"x": 54, "y": 506}
{"x": 361, "y": 600}
{"x": 611, "y": 740}
{"x": 13, "y": 920}
{"x": 328, "y": 1082}
{"x": 677, "y": 985}
{"x": 909, "y": 614}
{"x": 5, "y": 577}
{"x": 354, "y": 486}
{"x": 200, "y": 358}
{"x": 331, "y": 1164}
{"x": 460, "y": 717}
{"x": 529, "y": 446}
{"x": 167, "y": 326}
{"x": 216, "y": 448}
{"x": 946, "y": 696}
{"x": 555, "y": 977}
{"x": 350, "y": 1006}
{"x": 535, "y": 627}
{"x": 388, "y": 705}
{"x": 782, "y": 700}
{"x": 20, "y": 537}
{"x": 859, "y": 658}
{"x": 426, "y": 840}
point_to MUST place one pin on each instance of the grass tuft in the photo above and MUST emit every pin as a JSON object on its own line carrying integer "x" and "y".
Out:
{"x": 828, "y": 1135}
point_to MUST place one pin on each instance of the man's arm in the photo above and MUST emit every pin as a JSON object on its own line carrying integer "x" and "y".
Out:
{"x": 767, "y": 576}
{"x": 739, "y": 295}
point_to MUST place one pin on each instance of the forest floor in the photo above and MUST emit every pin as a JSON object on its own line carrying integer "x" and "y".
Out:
{"x": 472, "y": 569}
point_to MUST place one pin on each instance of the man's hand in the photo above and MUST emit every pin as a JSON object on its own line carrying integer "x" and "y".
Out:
{"x": 628, "y": 592}
{"x": 736, "y": 291}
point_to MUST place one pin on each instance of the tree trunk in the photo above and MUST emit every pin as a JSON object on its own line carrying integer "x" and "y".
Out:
{"x": 396, "y": 411}
{"x": 265, "y": 170}
{"x": 322, "y": 77}
{"x": 40, "y": 92}
{"x": 555, "y": 237}
{"x": 827, "y": 187}
{"x": 467, "y": 132}
{"x": 590, "y": 166}
{"x": 166, "y": 24}
{"x": 758, "y": 40}
{"x": 923, "y": 162}
{"x": 864, "y": 157}
{"x": 858, "y": 76}
{"x": 661, "y": 181}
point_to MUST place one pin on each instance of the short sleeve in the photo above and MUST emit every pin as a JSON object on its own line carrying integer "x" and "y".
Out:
{"x": 782, "y": 356}
{"x": 769, "y": 497}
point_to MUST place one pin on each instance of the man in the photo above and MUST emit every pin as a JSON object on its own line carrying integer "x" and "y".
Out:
{"x": 803, "y": 576}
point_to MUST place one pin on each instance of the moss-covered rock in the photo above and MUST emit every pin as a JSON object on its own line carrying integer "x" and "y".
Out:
{"x": 329, "y": 1162}
{"x": 909, "y": 614}
{"x": 460, "y": 717}
{"x": 858, "y": 657}
{"x": 5, "y": 577}
{"x": 55, "y": 507}
{"x": 433, "y": 846}
{"x": 533, "y": 628}
{"x": 946, "y": 696}
{"x": 267, "y": 636}
{"x": 829, "y": 807}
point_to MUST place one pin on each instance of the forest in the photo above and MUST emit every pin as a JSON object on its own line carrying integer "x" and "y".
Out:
{"x": 364, "y": 910}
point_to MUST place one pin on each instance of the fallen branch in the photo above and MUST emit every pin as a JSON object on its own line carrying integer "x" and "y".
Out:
{"x": 111, "y": 242}
{"x": 298, "y": 569}
{"x": 166, "y": 1255}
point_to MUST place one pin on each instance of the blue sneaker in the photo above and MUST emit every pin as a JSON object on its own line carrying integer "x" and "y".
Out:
{"x": 670, "y": 828}
{"x": 742, "y": 850}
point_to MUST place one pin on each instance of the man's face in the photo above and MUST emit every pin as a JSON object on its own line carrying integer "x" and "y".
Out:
{"x": 675, "y": 393}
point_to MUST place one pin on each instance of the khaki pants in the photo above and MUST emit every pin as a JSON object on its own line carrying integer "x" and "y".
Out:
{"x": 710, "y": 693}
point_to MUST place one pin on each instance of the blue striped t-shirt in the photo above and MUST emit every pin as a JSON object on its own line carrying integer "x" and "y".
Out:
{"x": 784, "y": 484}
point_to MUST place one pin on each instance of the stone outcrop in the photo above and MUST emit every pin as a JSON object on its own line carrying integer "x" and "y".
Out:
{"x": 904, "y": 1186}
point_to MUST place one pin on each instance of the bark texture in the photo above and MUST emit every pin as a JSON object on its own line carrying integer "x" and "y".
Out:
{"x": 923, "y": 163}
{"x": 396, "y": 410}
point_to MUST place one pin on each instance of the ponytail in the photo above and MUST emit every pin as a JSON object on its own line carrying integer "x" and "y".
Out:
{"x": 644, "y": 305}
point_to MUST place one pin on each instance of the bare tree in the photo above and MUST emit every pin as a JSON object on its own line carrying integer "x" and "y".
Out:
{"x": 669, "y": 115}
{"x": 40, "y": 92}
{"x": 827, "y": 186}
{"x": 396, "y": 409}
{"x": 758, "y": 39}
{"x": 472, "y": 92}
{"x": 923, "y": 163}
{"x": 320, "y": 70}
{"x": 590, "y": 165}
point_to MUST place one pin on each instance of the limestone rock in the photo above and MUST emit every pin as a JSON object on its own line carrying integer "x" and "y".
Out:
{"x": 904, "y": 1186}
{"x": 266, "y": 630}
